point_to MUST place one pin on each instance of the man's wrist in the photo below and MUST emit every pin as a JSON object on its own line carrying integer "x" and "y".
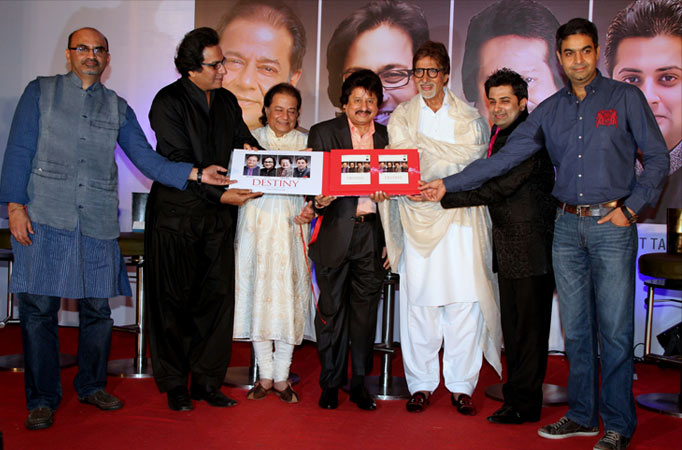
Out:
{"x": 631, "y": 218}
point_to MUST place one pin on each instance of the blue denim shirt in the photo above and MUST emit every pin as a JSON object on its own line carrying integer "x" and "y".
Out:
{"x": 592, "y": 143}
{"x": 60, "y": 155}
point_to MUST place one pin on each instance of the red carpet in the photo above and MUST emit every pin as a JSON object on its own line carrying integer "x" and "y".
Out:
{"x": 146, "y": 423}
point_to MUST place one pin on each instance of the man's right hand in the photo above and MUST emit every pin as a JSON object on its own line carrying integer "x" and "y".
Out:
{"x": 238, "y": 197}
{"x": 20, "y": 224}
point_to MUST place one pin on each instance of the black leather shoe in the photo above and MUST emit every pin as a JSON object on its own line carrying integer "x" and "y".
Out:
{"x": 212, "y": 396}
{"x": 510, "y": 416}
{"x": 329, "y": 398}
{"x": 103, "y": 400}
{"x": 178, "y": 399}
{"x": 40, "y": 418}
{"x": 361, "y": 397}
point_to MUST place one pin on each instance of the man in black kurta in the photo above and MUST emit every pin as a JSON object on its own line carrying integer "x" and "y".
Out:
{"x": 522, "y": 210}
{"x": 189, "y": 235}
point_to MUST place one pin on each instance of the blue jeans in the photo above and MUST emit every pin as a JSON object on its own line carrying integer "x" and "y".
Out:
{"x": 594, "y": 267}
{"x": 38, "y": 317}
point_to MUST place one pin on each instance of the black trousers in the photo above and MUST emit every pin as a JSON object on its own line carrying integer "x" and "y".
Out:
{"x": 526, "y": 308}
{"x": 189, "y": 284}
{"x": 347, "y": 309}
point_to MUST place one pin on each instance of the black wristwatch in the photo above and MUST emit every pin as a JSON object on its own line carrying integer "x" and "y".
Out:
{"x": 630, "y": 217}
{"x": 200, "y": 171}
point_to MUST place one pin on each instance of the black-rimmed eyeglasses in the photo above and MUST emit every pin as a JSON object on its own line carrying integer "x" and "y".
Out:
{"x": 215, "y": 65}
{"x": 85, "y": 50}
{"x": 390, "y": 78}
{"x": 431, "y": 72}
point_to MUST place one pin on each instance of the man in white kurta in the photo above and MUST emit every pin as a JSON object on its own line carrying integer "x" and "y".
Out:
{"x": 448, "y": 293}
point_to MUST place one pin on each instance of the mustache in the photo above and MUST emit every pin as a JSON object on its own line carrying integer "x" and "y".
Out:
{"x": 87, "y": 60}
{"x": 361, "y": 111}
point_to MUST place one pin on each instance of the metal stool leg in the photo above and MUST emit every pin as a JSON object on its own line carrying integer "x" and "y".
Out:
{"x": 140, "y": 366}
{"x": 386, "y": 386}
{"x": 242, "y": 377}
{"x": 662, "y": 403}
{"x": 15, "y": 362}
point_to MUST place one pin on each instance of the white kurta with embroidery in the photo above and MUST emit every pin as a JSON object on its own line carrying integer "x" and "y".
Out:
{"x": 273, "y": 290}
{"x": 444, "y": 256}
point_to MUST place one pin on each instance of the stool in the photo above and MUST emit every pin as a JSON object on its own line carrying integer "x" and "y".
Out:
{"x": 386, "y": 386}
{"x": 666, "y": 268}
{"x": 15, "y": 362}
{"x": 132, "y": 246}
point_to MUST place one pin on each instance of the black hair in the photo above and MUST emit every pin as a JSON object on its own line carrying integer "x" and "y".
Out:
{"x": 642, "y": 18}
{"x": 365, "y": 79}
{"x": 576, "y": 26}
{"x": 507, "y": 77}
{"x": 190, "y": 52}
{"x": 281, "y": 88}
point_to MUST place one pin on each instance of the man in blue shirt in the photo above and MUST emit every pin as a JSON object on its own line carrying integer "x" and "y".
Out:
{"x": 592, "y": 130}
{"x": 60, "y": 182}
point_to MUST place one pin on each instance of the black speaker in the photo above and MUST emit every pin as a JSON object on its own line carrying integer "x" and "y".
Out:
{"x": 671, "y": 340}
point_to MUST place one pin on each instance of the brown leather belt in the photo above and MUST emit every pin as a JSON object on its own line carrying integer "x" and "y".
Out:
{"x": 596, "y": 210}
{"x": 365, "y": 218}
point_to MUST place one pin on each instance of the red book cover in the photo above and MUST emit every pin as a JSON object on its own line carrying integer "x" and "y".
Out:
{"x": 349, "y": 172}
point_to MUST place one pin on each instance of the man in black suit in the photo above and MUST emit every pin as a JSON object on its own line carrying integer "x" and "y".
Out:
{"x": 522, "y": 211}
{"x": 348, "y": 250}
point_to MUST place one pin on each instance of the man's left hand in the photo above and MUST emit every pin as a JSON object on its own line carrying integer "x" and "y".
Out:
{"x": 384, "y": 257}
{"x": 432, "y": 191}
{"x": 249, "y": 147}
{"x": 617, "y": 218}
{"x": 307, "y": 214}
{"x": 216, "y": 175}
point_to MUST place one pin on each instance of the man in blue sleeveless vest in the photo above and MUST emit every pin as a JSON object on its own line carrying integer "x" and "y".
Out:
{"x": 60, "y": 182}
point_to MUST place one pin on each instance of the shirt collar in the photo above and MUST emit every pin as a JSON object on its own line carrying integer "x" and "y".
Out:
{"x": 445, "y": 105}
{"x": 354, "y": 130}
{"x": 73, "y": 78}
{"x": 591, "y": 88}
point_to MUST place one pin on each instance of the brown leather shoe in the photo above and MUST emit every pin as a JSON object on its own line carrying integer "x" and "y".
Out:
{"x": 40, "y": 418}
{"x": 464, "y": 404}
{"x": 257, "y": 392}
{"x": 288, "y": 395}
{"x": 103, "y": 400}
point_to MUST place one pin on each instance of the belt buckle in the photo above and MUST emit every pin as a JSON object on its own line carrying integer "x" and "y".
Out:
{"x": 579, "y": 209}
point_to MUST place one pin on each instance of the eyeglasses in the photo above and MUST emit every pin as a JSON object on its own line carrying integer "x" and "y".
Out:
{"x": 85, "y": 50}
{"x": 390, "y": 78}
{"x": 431, "y": 72}
{"x": 215, "y": 65}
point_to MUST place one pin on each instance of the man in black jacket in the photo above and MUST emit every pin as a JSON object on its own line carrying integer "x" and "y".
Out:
{"x": 348, "y": 250}
{"x": 522, "y": 211}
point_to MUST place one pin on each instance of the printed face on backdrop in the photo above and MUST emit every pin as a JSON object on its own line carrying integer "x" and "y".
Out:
{"x": 504, "y": 106}
{"x": 655, "y": 66}
{"x": 387, "y": 51}
{"x": 525, "y": 56}
{"x": 301, "y": 164}
{"x": 362, "y": 107}
{"x": 257, "y": 57}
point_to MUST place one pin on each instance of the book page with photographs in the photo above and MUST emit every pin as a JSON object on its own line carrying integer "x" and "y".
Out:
{"x": 277, "y": 172}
